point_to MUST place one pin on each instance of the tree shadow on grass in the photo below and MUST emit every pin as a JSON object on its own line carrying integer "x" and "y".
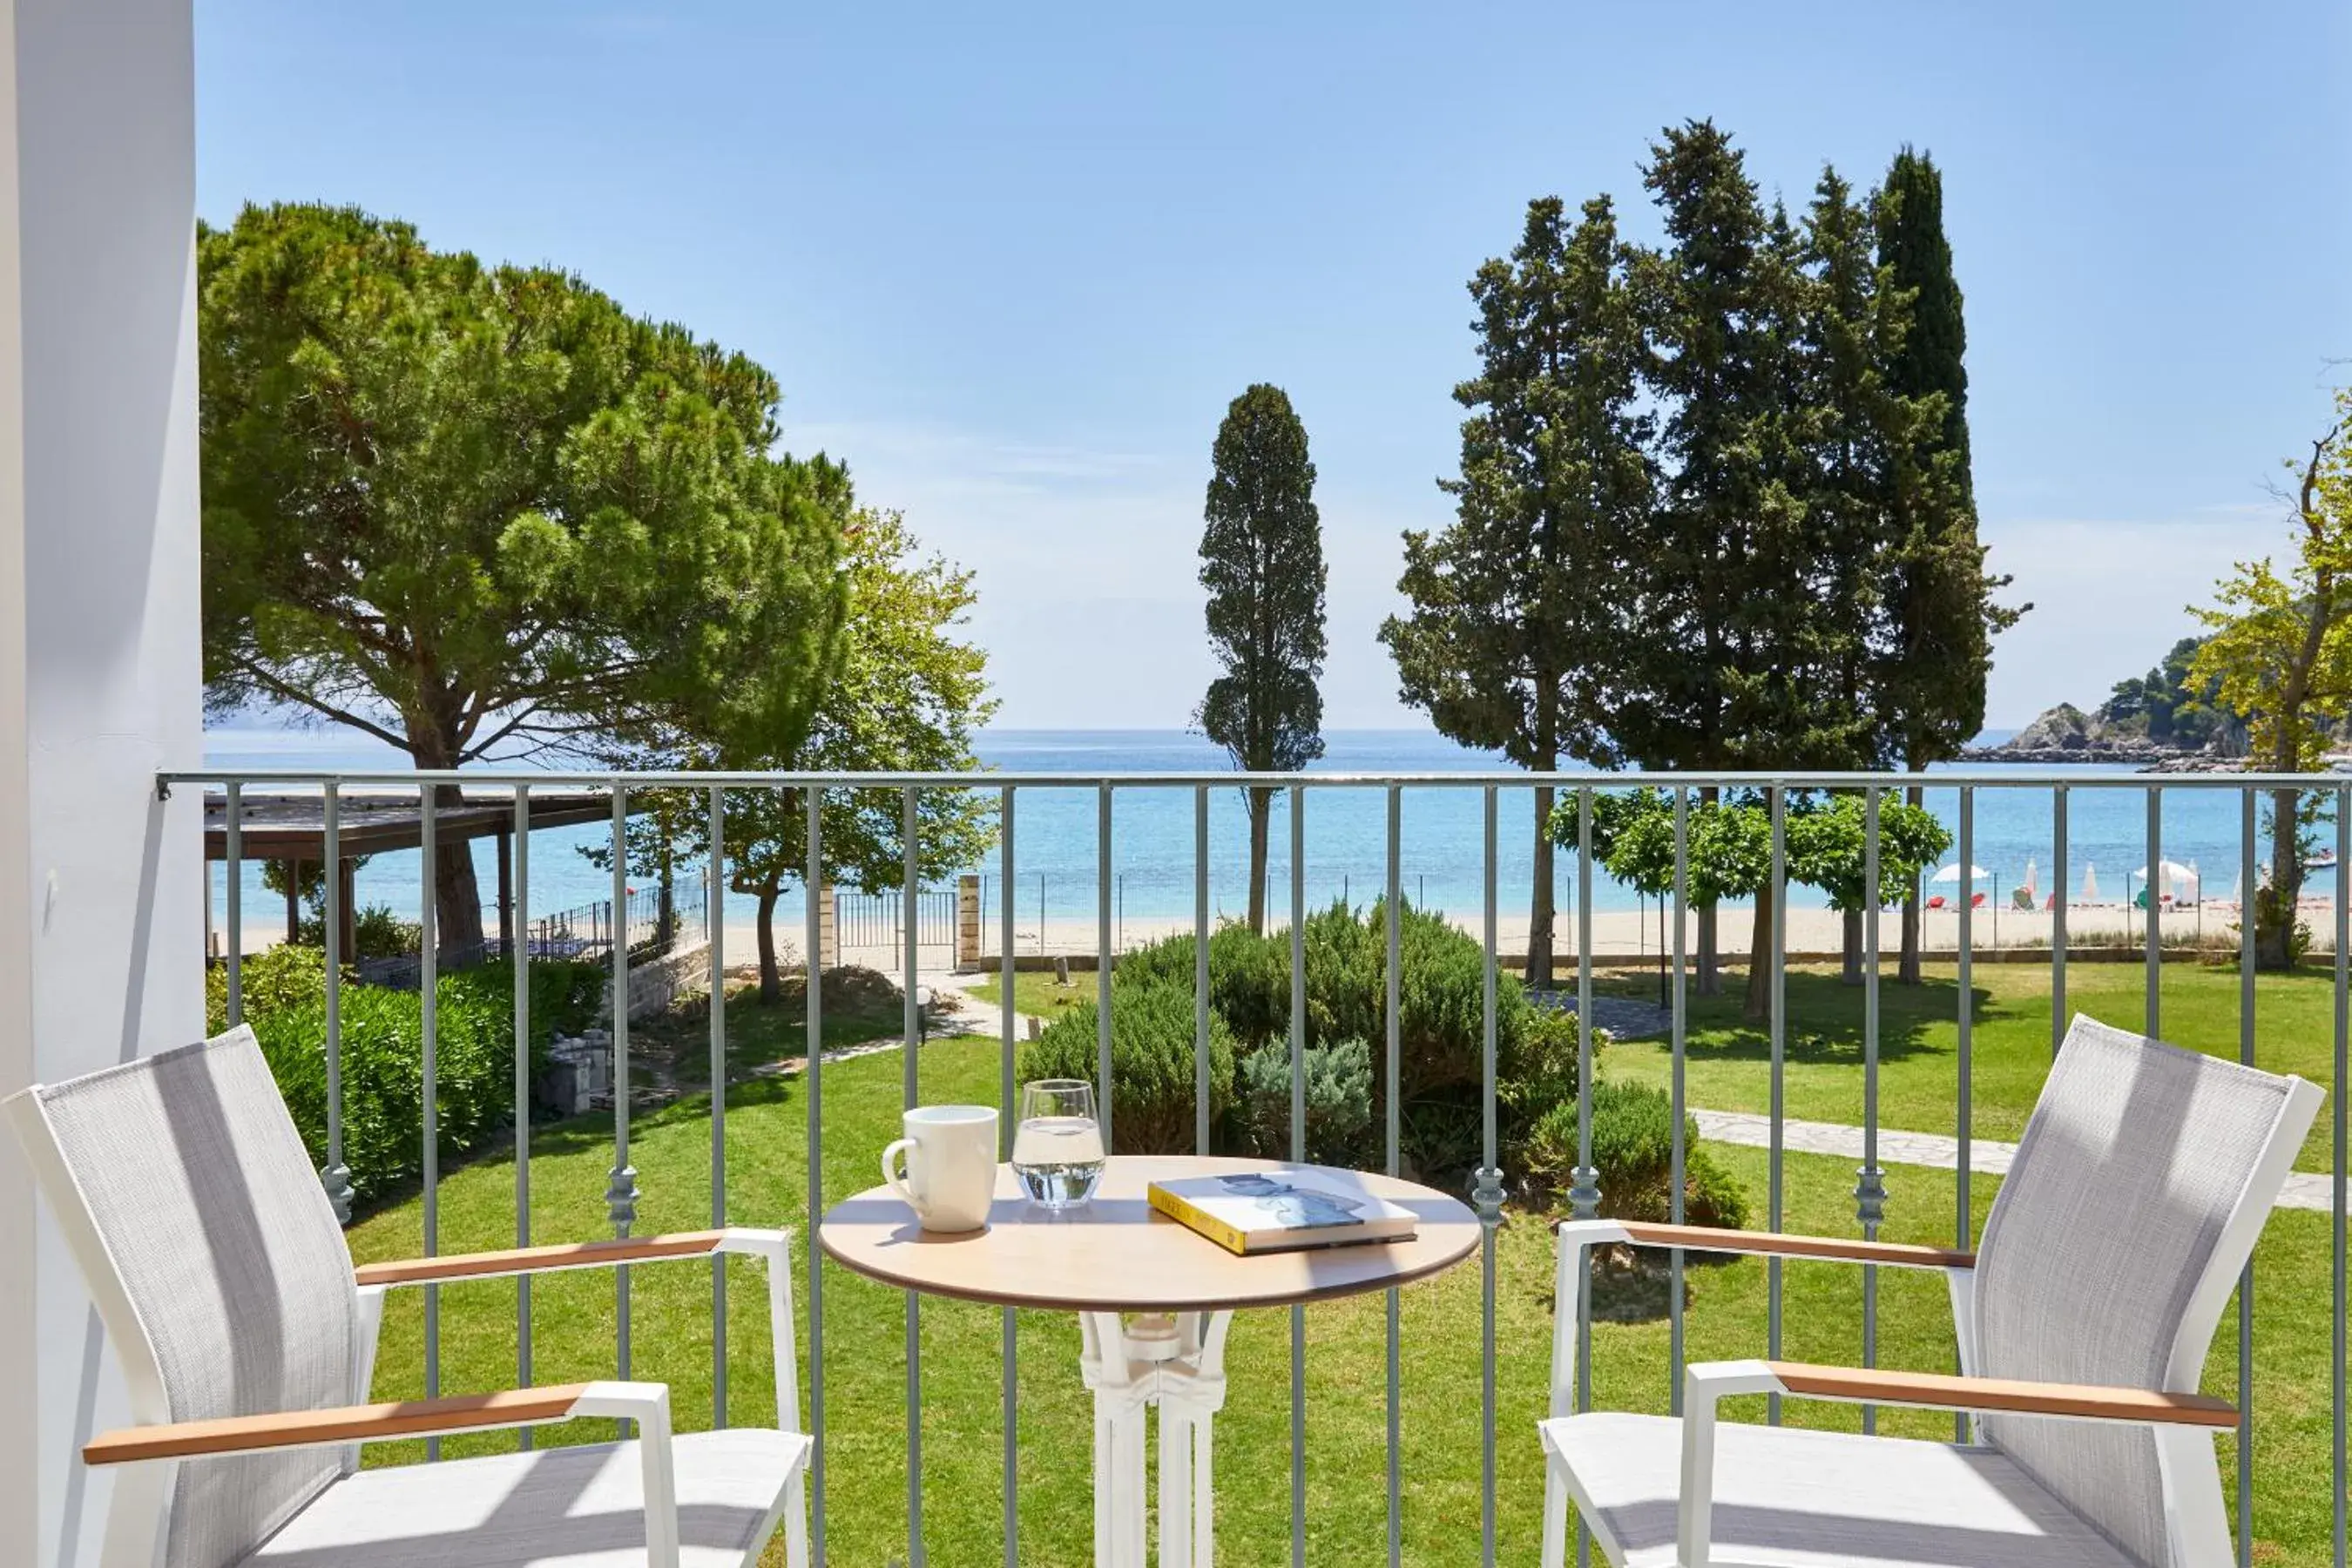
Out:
{"x": 1824, "y": 1018}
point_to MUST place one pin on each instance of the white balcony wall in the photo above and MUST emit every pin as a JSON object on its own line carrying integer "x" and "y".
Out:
{"x": 100, "y": 923}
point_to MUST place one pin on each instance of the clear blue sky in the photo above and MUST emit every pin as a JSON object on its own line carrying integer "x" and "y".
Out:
{"x": 1010, "y": 262}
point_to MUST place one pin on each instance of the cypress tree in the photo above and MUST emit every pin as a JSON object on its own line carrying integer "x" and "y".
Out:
{"x": 1262, "y": 563}
{"x": 1940, "y": 607}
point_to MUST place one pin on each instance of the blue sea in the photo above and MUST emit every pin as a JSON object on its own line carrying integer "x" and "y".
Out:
{"x": 1151, "y": 852}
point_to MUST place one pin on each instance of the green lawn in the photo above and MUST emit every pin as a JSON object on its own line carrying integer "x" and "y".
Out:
{"x": 1728, "y": 1061}
{"x": 1036, "y": 994}
{"x": 866, "y": 1377}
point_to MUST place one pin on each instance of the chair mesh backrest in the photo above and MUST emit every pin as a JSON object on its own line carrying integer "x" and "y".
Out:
{"x": 2133, "y": 1163}
{"x": 205, "y": 1197}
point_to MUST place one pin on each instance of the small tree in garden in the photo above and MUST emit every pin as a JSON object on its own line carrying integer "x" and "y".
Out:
{"x": 2280, "y": 652}
{"x": 1728, "y": 854}
{"x": 908, "y": 696}
{"x": 1262, "y": 563}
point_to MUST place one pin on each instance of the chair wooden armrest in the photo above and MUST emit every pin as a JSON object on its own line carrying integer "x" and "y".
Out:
{"x": 1941, "y": 1390}
{"x": 1776, "y": 1244}
{"x": 347, "y": 1424}
{"x": 542, "y": 1260}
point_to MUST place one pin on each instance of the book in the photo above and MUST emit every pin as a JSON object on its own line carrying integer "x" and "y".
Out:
{"x": 1282, "y": 1210}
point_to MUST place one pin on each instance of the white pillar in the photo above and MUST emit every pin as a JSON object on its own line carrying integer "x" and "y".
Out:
{"x": 100, "y": 930}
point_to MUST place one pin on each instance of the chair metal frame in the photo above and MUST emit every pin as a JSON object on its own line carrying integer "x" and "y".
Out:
{"x": 2182, "y": 1421}
{"x": 151, "y": 1451}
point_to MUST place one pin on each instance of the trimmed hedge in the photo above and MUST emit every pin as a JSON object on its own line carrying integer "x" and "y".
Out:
{"x": 383, "y": 1032}
{"x": 1632, "y": 1150}
{"x": 1440, "y": 1027}
{"x": 1154, "y": 1092}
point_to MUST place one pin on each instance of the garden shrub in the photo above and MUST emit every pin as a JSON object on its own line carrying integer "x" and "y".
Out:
{"x": 382, "y": 1053}
{"x": 276, "y": 980}
{"x": 1338, "y": 1103}
{"x": 1441, "y": 1031}
{"x": 1249, "y": 978}
{"x": 1152, "y": 1080}
{"x": 1632, "y": 1150}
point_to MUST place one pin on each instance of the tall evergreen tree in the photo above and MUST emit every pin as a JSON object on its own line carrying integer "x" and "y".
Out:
{"x": 1262, "y": 563}
{"x": 1519, "y": 612}
{"x": 1731, "y": 660}
{"x": 1940, "y": 600}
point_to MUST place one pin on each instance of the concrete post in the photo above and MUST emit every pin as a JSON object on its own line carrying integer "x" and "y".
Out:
{"x": 967, "y": 957}
{"x": 828, "y": 952}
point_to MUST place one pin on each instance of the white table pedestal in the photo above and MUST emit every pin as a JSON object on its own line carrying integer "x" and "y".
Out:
{"x": 1176, "y": 1360}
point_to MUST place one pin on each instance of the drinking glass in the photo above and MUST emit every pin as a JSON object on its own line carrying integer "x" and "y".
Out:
{"x": 1057, "y": 1150}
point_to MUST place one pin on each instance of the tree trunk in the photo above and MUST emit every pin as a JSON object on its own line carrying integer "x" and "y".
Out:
{"x": 1907, "y": 971}
{"x": 457, "y": 892}
{"x": 772, "y": 986}
{"x": 1260, "y": 812}
{"x": 1758, "y": 1003}
{"x": 2274, "y": 907}
{"x": 1539, "y": 911}
{"x": 1851, "y": 935}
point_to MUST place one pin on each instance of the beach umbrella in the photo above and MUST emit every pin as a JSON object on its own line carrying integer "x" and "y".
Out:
{"x": 1951, "y": 873}
{"x": 2166, "y": 871}
{"x": 2031, "y": 877}
{"x": 2089, "y": 884}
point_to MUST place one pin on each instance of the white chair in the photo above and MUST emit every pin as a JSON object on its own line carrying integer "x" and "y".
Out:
{"x": 248, "y": 1340}
{"x": 2083, "y": 1323}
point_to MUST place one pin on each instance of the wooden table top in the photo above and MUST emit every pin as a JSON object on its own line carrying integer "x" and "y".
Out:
{"x": 1119, "y": 1254}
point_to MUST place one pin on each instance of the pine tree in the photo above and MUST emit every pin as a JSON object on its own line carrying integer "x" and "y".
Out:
{"x": 1519, "y": 605}
{"x": 1940, "y": 605}
{"x": 1262, "y": 563}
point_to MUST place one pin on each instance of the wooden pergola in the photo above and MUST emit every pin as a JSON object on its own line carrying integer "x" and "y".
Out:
{"x": 293, "y": 828}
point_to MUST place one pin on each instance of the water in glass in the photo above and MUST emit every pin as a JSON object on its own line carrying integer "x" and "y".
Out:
{"x": 1057, "y": 1150}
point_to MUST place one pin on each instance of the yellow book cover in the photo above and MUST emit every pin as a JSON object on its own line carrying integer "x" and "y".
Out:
{"x": 1281, "y": 1210}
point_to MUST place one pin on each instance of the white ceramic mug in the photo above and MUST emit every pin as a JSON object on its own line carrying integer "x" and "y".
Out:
{"x": 950, "y": 1160}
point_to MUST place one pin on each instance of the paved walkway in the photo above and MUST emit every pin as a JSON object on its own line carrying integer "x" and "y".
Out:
{"x": 2304, "y": 1190}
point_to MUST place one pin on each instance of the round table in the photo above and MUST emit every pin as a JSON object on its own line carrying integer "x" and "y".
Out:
{"x": 1119, "y": 1256}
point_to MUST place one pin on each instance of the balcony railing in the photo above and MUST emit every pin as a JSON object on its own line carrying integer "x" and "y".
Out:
{"x": 1475, "y": 1500}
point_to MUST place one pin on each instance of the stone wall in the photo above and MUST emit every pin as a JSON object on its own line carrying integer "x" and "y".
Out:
{"x": 656, "y": 983}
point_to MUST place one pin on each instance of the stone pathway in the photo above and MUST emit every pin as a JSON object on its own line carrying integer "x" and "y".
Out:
{"x": 1624, "y": 1018}
{"x": 2305, "y": 1189}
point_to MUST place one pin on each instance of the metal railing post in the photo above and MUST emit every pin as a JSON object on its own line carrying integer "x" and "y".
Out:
{"x": 2155, "y": 909}
{"x": 232, "y": 891}
{"x": 1009, "y": 1394}
{"x": 338, "y": 1174}
{"x": 1201, "y": 969}
{"x": 1964, "y": 1115}
{"x": 1393, "y": 1151}
{"x": 813, "y": 1060}
{"x": 912, "y": 1085}
{"x": 1676, "y": 1178}
{"x": 621, "y": 1181}
{"x": 1776, "y": 1186}
{"x": 715, "y": 894}
{"x": 2059, "y": 898}
{"x": 1297, "y": 1155}
{"x": 1869, "y": 1185}
{"x": 428, "y": 983}
{"x": 1486, "y": 1197}
{"x": 521, "y": 841}
{"x": 1102, "y": 964}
